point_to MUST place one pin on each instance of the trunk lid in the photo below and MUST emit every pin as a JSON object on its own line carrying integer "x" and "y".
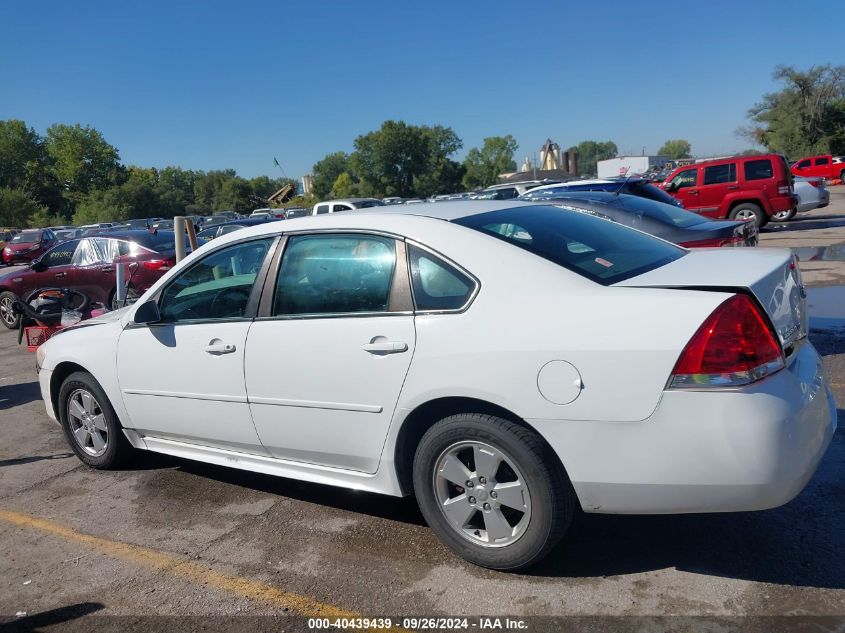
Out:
{"x": 771, "y": 275}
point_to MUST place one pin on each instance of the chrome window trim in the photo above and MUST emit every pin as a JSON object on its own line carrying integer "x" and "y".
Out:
{"x": 476, "y": 282}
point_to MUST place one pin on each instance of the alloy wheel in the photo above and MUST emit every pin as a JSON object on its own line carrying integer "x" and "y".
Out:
{"x": 746, "y": 214}
{"x": 6, "y": 313}
{"x": 482, "y": 494}
{"x": 87, "y": 422}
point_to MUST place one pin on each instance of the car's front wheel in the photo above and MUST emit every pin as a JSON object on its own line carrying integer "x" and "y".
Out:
{"x": 492, "y": 490}
{"x": 90, "y": 423}
{"x": 7, "y": 315}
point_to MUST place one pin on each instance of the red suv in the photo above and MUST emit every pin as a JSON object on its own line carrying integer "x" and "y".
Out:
{"x": 743, "y": 187}
{"x": 826, "y": 166}
{"x": 88, "y": 264}
{"x": 27, "y": 245}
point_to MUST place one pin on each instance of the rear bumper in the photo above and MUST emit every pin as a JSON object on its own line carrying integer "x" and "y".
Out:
{"x": 704, "y": 451}
{"x": 782, "y": 203}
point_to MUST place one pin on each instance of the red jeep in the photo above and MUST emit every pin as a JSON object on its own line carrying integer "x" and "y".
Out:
{"x": 825, "y": 166}
{"x": 743, "y": 187}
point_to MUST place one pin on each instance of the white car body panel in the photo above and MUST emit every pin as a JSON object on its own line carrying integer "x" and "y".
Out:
{"x": 316, "y": 396}
{"x": 628, "y": 443}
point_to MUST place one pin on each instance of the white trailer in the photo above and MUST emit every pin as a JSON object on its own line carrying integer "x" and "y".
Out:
{"x": 629, "y": 165}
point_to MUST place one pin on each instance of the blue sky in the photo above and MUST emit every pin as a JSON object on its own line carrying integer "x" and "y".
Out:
{"x": 208, "y": 85}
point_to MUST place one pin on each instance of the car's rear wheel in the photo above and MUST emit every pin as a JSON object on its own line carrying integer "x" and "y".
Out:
{"x": 90, "y": 423}
{"x": 7, "y": 315}
{"x": 784, "y": 216}
{"x": 492, "y": 490}
{"x": 748, "y": 212}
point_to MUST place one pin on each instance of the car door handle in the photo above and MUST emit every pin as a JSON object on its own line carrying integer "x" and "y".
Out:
{"x": 61, "y": 274}
{"x": 386, "y": 347}
{"x": 106, "y": 270}
{"x": 693, "y": 192}
{"x": 733, "y": 187}
{"x": 219, "y": 348}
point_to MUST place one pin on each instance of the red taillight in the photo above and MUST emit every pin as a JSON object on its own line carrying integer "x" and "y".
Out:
{"x": 157, "y": 264}
{"x": 784, "y": 188}
{"x": 735, "y": 346}
{"x": 736, "y": 240}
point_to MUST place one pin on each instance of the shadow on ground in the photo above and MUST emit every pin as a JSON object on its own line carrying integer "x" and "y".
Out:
{"x": 16, "y": 395}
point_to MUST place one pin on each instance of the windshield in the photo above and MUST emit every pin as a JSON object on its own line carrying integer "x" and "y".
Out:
{"x": 600, "y": 250}
{"x": 161, "y": 241}
{"x": 366, "y": 204}
{"x": 27, "y": 237}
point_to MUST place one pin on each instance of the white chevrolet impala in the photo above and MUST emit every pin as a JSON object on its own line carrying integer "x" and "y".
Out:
{"x": 504, "y": 362}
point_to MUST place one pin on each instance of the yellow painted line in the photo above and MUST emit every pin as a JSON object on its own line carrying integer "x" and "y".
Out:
{"x": 183, "y": 568}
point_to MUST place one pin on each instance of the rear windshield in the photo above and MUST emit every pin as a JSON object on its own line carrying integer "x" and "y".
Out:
{"x": 659, "y": 211}
{"x": 161, "y": 241}
{"x": 598, "y": 249}
{"x": 647, "y": 190}
{"x": 27, "y": 237}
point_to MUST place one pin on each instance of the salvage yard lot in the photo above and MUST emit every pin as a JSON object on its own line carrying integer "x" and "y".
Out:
{"x": 170, "y": 536}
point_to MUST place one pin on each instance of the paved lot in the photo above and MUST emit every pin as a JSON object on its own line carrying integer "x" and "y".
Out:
{"x": 175, "y": 537}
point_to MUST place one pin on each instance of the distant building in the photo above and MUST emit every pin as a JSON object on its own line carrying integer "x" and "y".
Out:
{"x": 550, "y": 156}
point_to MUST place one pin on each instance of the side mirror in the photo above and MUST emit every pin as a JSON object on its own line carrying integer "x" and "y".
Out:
{"x": 147, "y": 313}
{"x": 38, "y": 266}
{"x": 671, "y": 186}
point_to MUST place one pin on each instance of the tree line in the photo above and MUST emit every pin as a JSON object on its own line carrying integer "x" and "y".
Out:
{"x": 72, "y": 174}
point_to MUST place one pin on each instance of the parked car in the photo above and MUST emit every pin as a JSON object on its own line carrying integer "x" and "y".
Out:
{"x": 6, "y": 235}
{"x": 62, "y": 235}
{"x": 261, "y": 215}
{"x": 225, "y": 228}
{"x": 823, "y": 166}
{"x": 750, "y": 188}
{"x": 162, "y": 225}
{"x": 27, "y": 245}
{"x": 534, "y": 360}
{"x": 296, "y": 212}
{"x": 665, "y": 221}
{"x": 641, "y": 187}
{"x": 139, "y": 223}
{"x": 812, "y": 194}
{"x": 347, "y": 204}
{"x": 511, "y": 190}
{"x": 87, "y": 264}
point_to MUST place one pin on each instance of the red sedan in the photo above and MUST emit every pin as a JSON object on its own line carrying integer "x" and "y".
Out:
{"x": 28, "y": 245}
{"x": 88, "y": 264}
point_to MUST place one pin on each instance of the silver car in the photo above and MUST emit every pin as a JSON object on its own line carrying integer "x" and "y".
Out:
{"x": 812, "y": 194}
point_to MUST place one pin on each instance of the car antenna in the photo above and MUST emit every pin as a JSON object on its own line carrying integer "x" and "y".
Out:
{"x": 622, "y": 186}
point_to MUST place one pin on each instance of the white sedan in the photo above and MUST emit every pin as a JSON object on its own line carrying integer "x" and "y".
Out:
{"x": 505, "y": 362}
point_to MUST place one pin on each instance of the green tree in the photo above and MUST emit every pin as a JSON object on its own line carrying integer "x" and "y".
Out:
{"x": 590, "y": 152}
{"x": 235, "y": 195}
{"x": 81, "y": 160}
{"x": 674, "y": 149}
{"x": 807, "y": 116}
{"x": 103, "y": 206}
{"x": 401, "y": 160}
{"x": 208, "y": 188}
{"x": 17, "y": 207}
{"x": 344, "y": 187}
{"x": 24, "y": 163}
{"x": 175, "y": 191}
{"x": 326, "y": 171}
{"x": 484, "y": 165}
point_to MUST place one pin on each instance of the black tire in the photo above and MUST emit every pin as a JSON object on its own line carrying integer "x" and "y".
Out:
{"x": 842, "y": 177}
{"x": 131, "y": 297}
{"x": 552, "y": 498}
{"x": 118, "y": 450}
{"x": 7, "y": 317}
{"x": 786, "y": 218}
{"x": 760, "y": 218}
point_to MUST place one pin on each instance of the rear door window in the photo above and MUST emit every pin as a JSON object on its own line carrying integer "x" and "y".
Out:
{"x": 718, "y": 174}
{"x": 822, "y": 161}
{"x": 758, "y": 169}
{"x": 600, "y": 250}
